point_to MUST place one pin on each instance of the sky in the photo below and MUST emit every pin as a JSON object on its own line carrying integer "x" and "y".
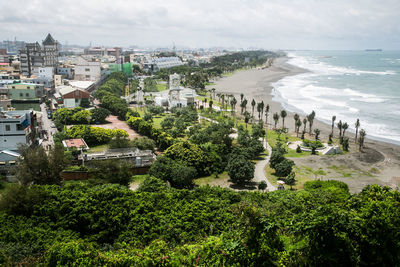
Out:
{"x": 269, "y": 24}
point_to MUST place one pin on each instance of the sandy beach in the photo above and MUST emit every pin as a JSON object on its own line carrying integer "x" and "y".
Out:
{"x": 378, "y": 163}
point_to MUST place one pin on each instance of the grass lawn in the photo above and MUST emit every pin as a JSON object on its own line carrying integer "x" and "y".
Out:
{"x": 212, "y": 180}
{"x": 161, "y": 87}
{"x": 302, "y": 175}
{"x": 98, "y": 148}
{"x": 157, "y": 121}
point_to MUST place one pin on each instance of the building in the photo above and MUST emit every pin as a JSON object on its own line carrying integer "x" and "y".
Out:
{"x": 9, "y": 79}
{"x": 17, "y": 127}
{"x": 75, "y": 143}
{"x": 162, "y": 63}
{"x": 86, "y": 70}
{"x": 34, "y": 56}
{"x": 140, "y": 158}
{"x": 25, "y": 91}
{"x": 8, "y": 161}
{"x": 65, "y": 72}
{"x": 176, "y": 96}
{"x": 71, "y": 97}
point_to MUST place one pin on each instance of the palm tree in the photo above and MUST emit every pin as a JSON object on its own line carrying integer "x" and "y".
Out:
{"x": 362, "y": 138}
{"x": 253, "y": 104}
{"x": 283, "y": 115}
{"x": 333, "y": 123}
{"x": 296, "y": 117}
{"x": 266, "y": 115}
{"x": 246, "y": 117}
{"x": 210, "y": 104}
{"x": 260, "y": 109}
{"x": 276, "y": 118}
{"x": 233, "y": 104}
{"x": 213, "y": 91}
{"x": 345, "y": 126}
{"x": 241, "y": 97}
{"x": 242, "y": 106}
{"x": 317, "y": 132}
{"x": 340, "y": 125}
{"x": 297, "y": 126}
{"x": 223, "y": 101}
{"x": 310, "y": 119}
{"x": 305, "y": 124}
{"x": 357, "y": 125}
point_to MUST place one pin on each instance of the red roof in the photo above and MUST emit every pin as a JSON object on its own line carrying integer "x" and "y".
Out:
{"x": 4, "y": 64}
{"x": 78, "y": 143}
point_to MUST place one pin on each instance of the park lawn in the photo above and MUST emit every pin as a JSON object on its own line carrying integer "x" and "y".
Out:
{"x": 161, "y": 87}
{"x": 98, "y": 148}
{"x": 302, "y": 176}
{"x": 157, "y": 121}
{"x": 273, "y": 138}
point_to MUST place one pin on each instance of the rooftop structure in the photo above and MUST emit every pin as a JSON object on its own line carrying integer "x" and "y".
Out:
{"x": 77, "y": 143}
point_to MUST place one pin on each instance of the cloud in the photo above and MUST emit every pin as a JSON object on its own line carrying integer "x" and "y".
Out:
{"x": 283, "y": 24}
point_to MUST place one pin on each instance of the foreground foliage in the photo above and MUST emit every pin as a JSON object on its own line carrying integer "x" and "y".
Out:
{"x": 159, "y": 226}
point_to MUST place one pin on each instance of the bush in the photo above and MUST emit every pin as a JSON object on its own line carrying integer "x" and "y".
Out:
{"x": 99, "y": 115}
{"x": 298, "y": 149}
{"x": 143, "y": 143}
{"x": 152, "y": 184}
{"x": 309, "y": 143}
{"x": 94, "y": 135}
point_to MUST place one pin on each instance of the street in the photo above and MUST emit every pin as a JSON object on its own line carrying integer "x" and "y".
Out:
{"x": 46, "y": 126}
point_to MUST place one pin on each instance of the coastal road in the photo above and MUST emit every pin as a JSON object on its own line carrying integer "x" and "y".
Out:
{"x": 259, "y": 172}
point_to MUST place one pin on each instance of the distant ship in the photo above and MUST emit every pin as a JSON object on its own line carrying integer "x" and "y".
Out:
{"x": 373, "y": 50}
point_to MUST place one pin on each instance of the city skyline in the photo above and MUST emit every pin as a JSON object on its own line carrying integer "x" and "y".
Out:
{"x": 285, "y": 25}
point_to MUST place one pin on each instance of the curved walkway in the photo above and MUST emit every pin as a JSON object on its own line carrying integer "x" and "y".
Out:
{"x": 259, "y": 172}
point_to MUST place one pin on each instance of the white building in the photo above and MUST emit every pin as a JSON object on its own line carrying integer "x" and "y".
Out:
{"x": 46, "y": 72}
{"x": 16, "y": 127}
{"x": 176, "y": 96}
{"x": 86, "y": 70}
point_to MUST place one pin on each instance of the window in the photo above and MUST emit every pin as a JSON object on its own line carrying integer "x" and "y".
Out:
{"x": 21, "y": 94}
{"x": 8, "y": 128}
{"x": 87, "y": 69}
{"x": 27, "y": 94}
{"x": 13, "y": 87}
{"x": 12, "y": 162}
{"x": 28, "y": 87}
{"x": 19, "y": 127}
{"x": 87, "y": 76}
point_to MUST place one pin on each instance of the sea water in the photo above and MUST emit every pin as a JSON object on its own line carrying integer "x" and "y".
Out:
{"x": 348, "y": 84}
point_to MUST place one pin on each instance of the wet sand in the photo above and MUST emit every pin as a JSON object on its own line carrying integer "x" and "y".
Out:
{"x": 378, "y": 163}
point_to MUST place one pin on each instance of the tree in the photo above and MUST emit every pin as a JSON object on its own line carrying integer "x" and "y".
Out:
{"x": 276, "y": 118}
{"x": 290, "y": 179}
{"x": 168, "y": 122}
{"x": 85, "y": 103}
{"x": 340, "y": 126}
{"x": 82, "y": 117}
{"x": 152, "y": 184}
{"x": 310, "y": 119}
{"x": 362, "y": 138}
{"x": 345, "y": 127}
{"x": 266, "y": 115}
{"x": 143, "y": 143}
{"x": 37, "y": 167}
{"x": 113, "y": 171}
{"x": 233, "y": 104}
{"x": 99, "y": 115}
{"x": 296, "y": 117}
{"x": 241, "y": 98}
{"x": 333, "y": 123}
{"x": 283, "y": 115}
{"x": 298, "y": 125}
{"x": 357, "y": 125}
{"x": 262, "y": 185}
{"x": 210, "y": 104}
{"x": 246, "y": 118}
{"x": 260, "y": 108}
{"x": 240, "y": 169}
{"x": 317, "y": 132}
{"x": 345, "y": 143}
{"x": 243, "y": 105}
{"x": 284, "y": 168}
{"x": 253, "y": 104}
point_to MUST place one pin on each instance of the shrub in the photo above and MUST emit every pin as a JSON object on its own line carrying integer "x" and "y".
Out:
{"x": 240, "y": 169}
{"x": 284, "y": 168}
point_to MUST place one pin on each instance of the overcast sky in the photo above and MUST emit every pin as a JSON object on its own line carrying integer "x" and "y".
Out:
{"x": 274, "y": 24}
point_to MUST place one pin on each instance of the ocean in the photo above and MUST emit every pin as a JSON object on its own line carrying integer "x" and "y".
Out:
{"x": 348, "y": 84}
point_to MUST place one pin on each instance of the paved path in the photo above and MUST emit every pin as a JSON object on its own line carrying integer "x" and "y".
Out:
{"x": 115, "y": 123}
{"x": 259, "y": 172}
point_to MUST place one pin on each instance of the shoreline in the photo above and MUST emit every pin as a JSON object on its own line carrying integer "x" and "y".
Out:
{"x": 257, "y": 84}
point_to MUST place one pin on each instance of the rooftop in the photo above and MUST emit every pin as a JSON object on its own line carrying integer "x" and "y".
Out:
{"x": 77, "y": 143}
